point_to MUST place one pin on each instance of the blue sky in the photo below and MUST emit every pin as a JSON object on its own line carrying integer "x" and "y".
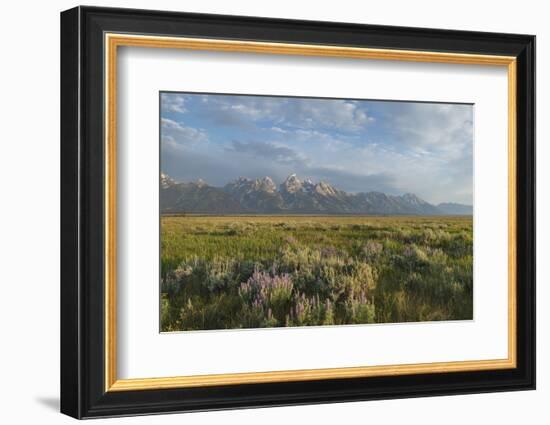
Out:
{"x": 355, "y": 145}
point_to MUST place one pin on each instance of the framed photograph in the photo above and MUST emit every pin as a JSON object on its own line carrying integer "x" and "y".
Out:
{"x": 261, "y": 212}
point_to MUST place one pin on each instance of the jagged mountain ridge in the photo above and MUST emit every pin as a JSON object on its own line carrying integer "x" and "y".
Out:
{"x": 195, "y": 197}
{"x": 293, "y": 196}
{"x": 453, "y": 208}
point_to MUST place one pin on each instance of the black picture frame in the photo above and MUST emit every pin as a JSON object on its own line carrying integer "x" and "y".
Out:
{"x": 83, "y": 392}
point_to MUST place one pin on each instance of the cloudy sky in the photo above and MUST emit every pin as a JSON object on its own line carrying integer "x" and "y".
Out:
{"x": 355, "y": 145}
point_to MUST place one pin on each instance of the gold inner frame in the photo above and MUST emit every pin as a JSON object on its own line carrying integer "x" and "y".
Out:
{"x": 113, "y": 41}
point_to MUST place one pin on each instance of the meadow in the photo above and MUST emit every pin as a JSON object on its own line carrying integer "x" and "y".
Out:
{"x": 227, "y": 272}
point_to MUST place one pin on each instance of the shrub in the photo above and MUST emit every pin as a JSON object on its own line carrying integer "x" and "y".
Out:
{"x": 359, "y": 310}
{"x": 219, "y": 272}
{"x": 372, "y": 249}
{"x": 270, "y": 292}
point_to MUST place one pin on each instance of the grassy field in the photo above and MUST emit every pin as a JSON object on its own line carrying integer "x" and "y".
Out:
{"x": 265, "y": 271}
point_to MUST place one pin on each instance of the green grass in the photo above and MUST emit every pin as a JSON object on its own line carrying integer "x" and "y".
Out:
{"x": 225, "y": 272}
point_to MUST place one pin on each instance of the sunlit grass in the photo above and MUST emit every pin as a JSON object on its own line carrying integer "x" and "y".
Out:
{"x": 313, "y": 270}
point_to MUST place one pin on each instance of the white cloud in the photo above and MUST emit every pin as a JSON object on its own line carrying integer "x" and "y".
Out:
{"x": 272, "y": 151}
{"x": 442, "y": 128}
{"x": 172, "y": 102}
{"x": 175, "y": 132}
{"x": 332, "y": 114}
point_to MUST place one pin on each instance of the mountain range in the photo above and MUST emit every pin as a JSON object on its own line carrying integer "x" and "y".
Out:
{"x": 293, "y": 196}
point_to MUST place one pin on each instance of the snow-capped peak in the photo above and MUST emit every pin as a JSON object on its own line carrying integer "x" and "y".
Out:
{"x": 266, "y": 184}
{"x": 200, "y": 183}
{"x": 412, "y": 199}
{"x": 323, "y": 188}
{"x": 292, "y": 184}
{"x": 166, "y": 181}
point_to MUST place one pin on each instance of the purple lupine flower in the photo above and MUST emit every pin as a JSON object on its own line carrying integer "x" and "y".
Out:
{"x": 261, "y": 285}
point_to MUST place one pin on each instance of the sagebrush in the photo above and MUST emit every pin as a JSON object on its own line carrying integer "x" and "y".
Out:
{"x": 271, "y": 271}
